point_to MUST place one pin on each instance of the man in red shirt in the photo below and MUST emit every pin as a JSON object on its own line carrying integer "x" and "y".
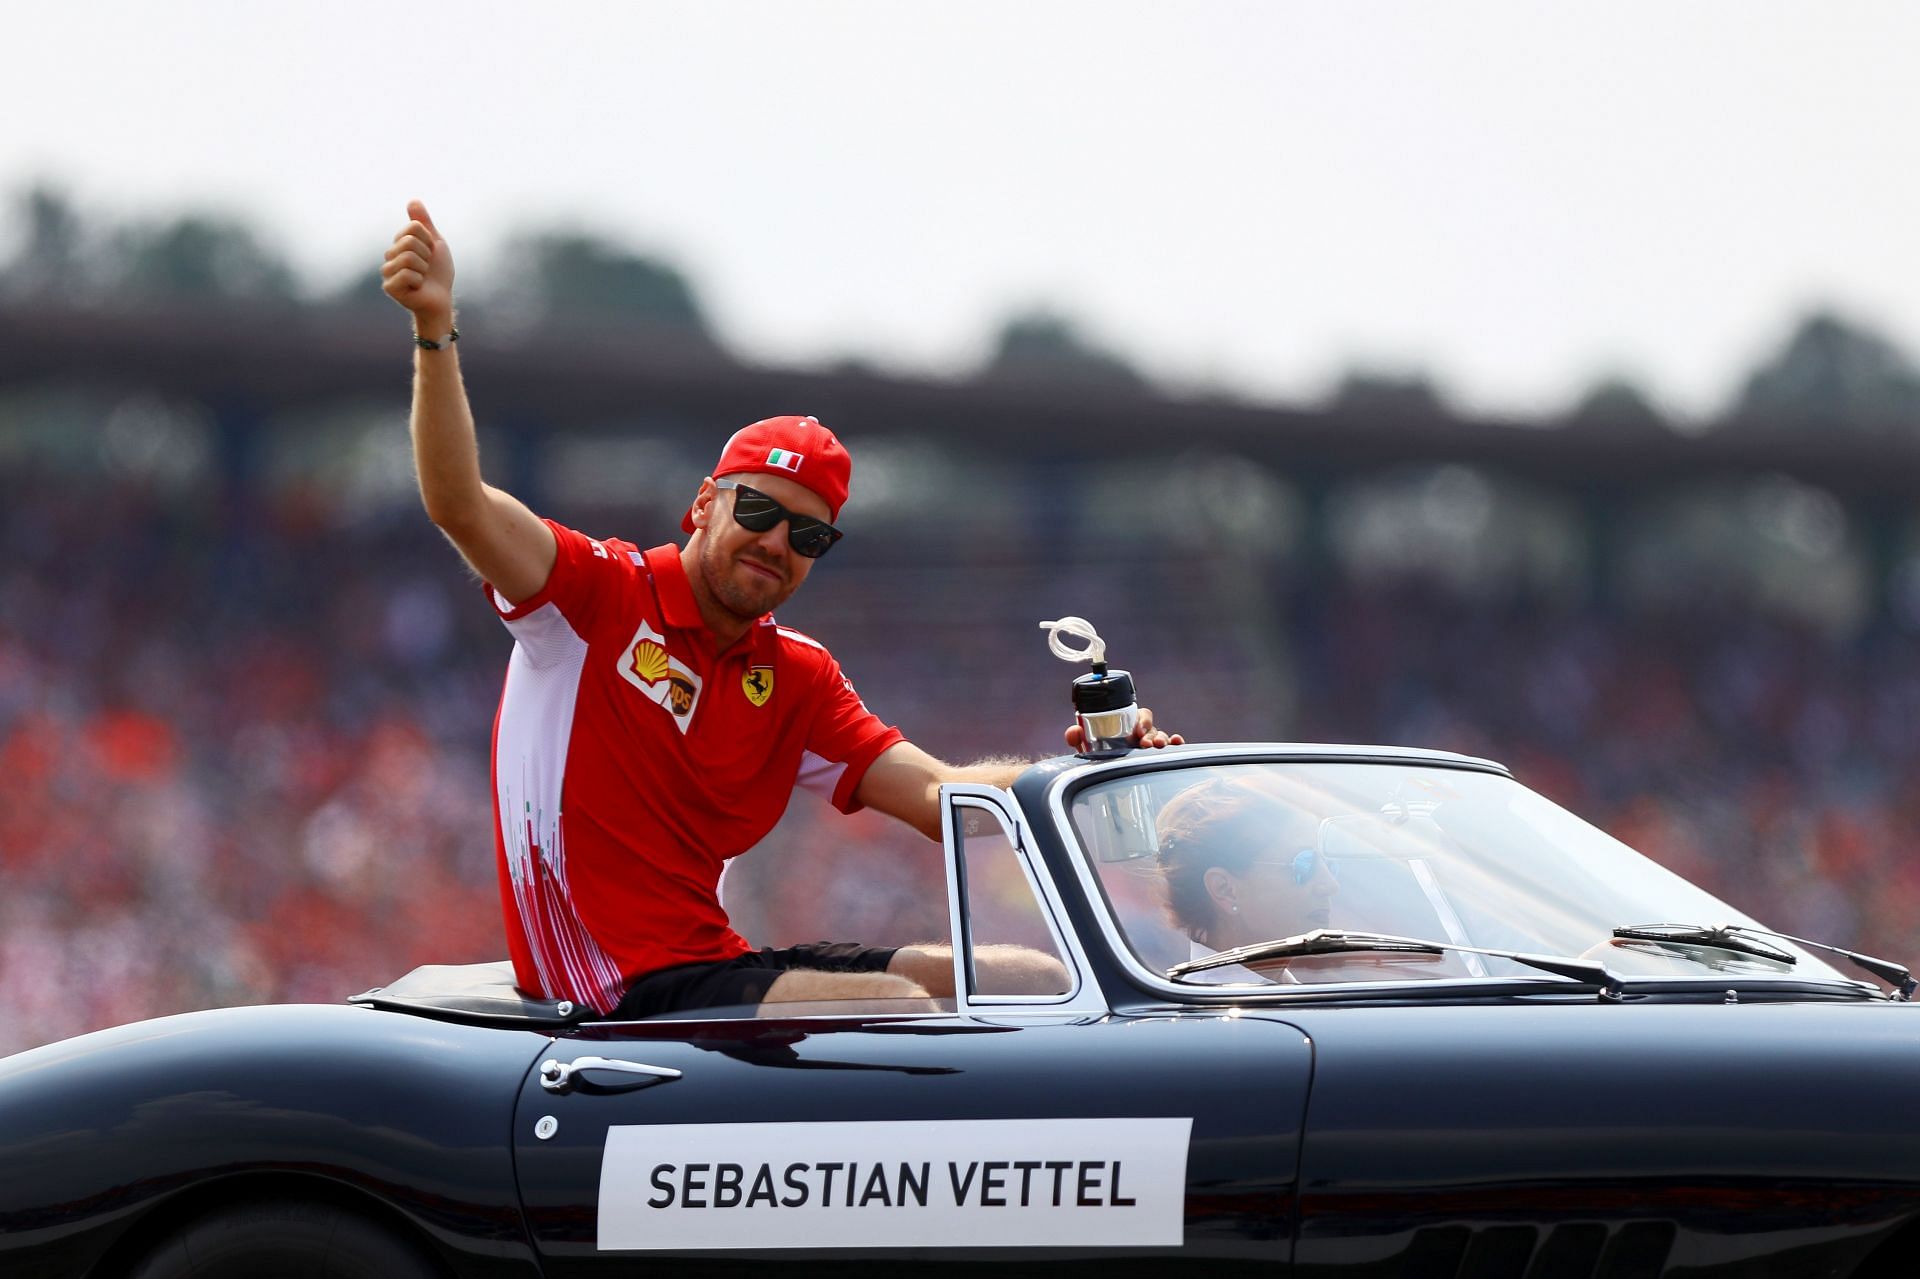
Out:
{"x": 655, "y": 719}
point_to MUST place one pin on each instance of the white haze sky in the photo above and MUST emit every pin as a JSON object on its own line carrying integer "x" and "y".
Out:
{"x": 1515, "y": 196}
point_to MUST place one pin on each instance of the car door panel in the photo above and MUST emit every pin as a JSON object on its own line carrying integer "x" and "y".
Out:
{"x": 1086, "y": 1118}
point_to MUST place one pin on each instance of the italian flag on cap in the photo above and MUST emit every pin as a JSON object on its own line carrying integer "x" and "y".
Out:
{"x": 785, "y": 460}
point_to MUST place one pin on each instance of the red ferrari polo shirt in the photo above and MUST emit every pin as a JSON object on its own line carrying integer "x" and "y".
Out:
{"x": 630, "y": 761}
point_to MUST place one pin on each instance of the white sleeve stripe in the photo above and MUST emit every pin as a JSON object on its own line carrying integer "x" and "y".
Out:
{"x": 819, "y": 775}
{"x": 798, "y": 638}
{"x": 546, "y": 637}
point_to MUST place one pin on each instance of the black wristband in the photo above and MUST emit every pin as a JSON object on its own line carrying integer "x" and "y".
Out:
{"x": 428, "y": 344}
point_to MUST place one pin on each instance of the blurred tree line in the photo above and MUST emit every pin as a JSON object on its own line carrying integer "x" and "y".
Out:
{"x": 1832, "y": 371}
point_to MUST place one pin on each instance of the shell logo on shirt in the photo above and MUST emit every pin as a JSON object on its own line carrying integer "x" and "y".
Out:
{"x": 649, "y": 660}
{"x": 757, "y": 684}
{"x": 664, "y": 678}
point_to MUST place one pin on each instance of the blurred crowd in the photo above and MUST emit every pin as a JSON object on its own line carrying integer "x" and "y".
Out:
{"x": 243, "y": 744}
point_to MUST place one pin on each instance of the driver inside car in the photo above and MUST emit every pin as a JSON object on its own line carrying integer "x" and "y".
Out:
{"x": 1241, "y": 867}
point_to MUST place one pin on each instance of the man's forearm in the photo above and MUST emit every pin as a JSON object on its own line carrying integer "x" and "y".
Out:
{"x": 905, "y": 783}
{"x": 503, "y": 541}
{"x": 446, "y": 456}
{"x": 998, "y": 771}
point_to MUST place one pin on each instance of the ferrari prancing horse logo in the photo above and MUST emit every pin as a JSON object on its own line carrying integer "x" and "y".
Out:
{"x": 757, "y": 684}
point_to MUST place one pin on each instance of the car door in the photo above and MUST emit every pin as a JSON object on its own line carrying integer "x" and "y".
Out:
{"x": 1026, "y": 1124}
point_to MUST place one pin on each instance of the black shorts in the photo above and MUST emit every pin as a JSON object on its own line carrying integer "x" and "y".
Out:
{"x": 744, "y": 980}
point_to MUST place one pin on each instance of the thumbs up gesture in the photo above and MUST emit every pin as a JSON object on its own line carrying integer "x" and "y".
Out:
{"x": 418, "y": 273}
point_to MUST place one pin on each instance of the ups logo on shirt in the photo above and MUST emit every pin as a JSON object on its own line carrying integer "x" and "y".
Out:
{"x": 680, "y": 693}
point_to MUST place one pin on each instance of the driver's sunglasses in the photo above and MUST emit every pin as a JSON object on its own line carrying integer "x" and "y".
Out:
{"x": 1304, "y": 864}
{"x": 756, "y": 512}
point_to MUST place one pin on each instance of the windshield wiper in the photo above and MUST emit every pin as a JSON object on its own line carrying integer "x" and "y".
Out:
{"x": 1741, "y": 939}
{"x": 1335, "y": 941}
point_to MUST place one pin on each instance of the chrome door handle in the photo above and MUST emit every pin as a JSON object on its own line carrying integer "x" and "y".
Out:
{"x": 559, "y": 1076}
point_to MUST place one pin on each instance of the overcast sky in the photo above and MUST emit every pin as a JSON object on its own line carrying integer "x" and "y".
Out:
{"x": 1516, "y": 196}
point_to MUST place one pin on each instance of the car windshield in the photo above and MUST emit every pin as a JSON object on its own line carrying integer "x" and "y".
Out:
{"x": 1205, "y": 858}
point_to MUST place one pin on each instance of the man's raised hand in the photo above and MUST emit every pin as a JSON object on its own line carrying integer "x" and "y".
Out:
{"x": 418, "y": 273}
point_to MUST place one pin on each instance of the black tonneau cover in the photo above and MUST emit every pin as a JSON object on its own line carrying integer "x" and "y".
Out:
{"x": 482, "y": 993}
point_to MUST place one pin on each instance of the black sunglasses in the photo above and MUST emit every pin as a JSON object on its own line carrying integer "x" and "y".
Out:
{"x": 1304, "y": 865}
{"x": 756, "y": 512}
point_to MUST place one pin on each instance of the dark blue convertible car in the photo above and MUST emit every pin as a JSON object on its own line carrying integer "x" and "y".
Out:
{"x": 1315, "y": 1011}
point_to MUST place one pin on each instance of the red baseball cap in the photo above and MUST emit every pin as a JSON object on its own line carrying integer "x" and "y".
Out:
{"x": 798, "y": 447}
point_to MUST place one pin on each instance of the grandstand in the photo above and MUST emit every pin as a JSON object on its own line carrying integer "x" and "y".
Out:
{"x": 245, "y": 688}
